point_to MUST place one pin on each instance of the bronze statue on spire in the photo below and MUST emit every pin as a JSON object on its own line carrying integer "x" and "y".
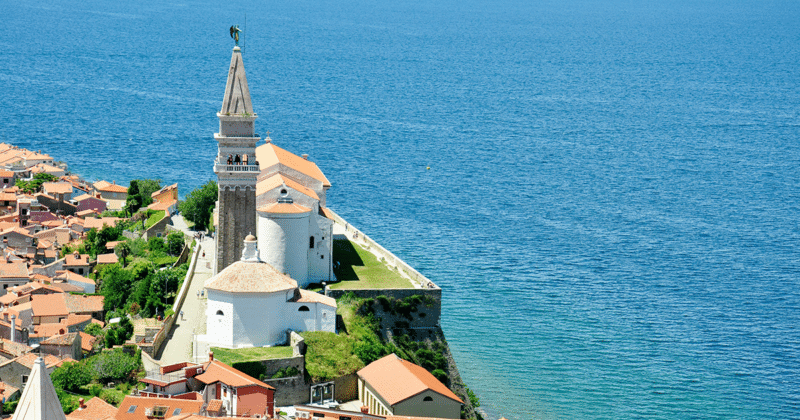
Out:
{"x": 235, "y": 33}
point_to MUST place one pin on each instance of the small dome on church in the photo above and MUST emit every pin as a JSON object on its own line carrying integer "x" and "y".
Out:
{"x": 250, "y": 238}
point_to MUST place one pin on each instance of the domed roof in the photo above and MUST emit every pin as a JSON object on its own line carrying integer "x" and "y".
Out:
{"x": 250, "y": 277}
{"x": 250, "y": 238}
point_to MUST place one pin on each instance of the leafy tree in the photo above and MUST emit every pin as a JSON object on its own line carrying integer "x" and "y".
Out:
{"x": 134, "y": 200}
{"x": 115, "y": 365}
{"x": 175, "y": 243}
{"x": 156, "y": 245}
{"x": 118, "y": 333}
{"x": 35, "y": 184}
{"x": 146, "y": 189}
{"x": 71, "y": 376}
{"x": 97, "y": 240}
{"x": 93, "y": 329}
{"x": 116, "y": 286}
{"x": 199, "y": 205}
{"x": 123, "y": 249}
{"x": 69, "y": 403}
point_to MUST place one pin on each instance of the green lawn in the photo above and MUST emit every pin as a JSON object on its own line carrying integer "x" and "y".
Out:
{"x": 231, "y": 356}
{"x": 357, "y": 268}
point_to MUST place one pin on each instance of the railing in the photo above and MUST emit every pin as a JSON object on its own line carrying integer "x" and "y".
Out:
{"x": 165, "y": 377}
{"x": 236, "y": 168}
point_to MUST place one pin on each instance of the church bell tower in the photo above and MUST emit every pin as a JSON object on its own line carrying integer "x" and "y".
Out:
{"x": 236, "y": 167}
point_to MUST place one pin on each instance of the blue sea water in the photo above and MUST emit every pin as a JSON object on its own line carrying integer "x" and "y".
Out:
{"x": 612, "y": 201}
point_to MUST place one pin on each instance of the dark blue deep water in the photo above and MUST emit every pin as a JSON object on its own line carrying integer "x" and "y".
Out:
{"x": 612, "y": 200}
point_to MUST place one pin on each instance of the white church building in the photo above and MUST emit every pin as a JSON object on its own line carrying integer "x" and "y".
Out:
{"x": 251, "y": 304}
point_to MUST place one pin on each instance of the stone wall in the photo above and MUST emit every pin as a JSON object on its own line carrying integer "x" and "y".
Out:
{"x": 237, "y": 219}
{"x": 290, "y": 391}
{"x": 159, "y": 228}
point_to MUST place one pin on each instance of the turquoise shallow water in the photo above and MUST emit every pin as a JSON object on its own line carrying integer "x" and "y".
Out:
{"x": 612, "y": 204}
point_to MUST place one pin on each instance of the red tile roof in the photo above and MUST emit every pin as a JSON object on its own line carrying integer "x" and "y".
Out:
{"x": 109, "y": 187}
{"x": 216, "y": 371}
{"x": 14, "y": 270}
{"x": 250, "y": 277}
{"x": 397, "y": 380}
{"x": 96, "y": 409}
{"x": 284, "y": 208}
{"x": 141, "y": 404}
{"x": 270, "y": 154}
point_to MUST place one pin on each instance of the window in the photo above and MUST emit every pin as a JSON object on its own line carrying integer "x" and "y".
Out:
{"x": 322, "y": 257}
{"x": 303, "y": 308}
{"x": 319, "y": 415}
{"x": 159, "y": 412}
{"x": 131, "y": 409}
{"x": 311, "y": 242}
{"x": 176, "y": 412}
{"x": 220, "y": 313}
{"x": 24, "y": 379}
{"x": 428, "y": 398}
{"x": 345, "y": 418}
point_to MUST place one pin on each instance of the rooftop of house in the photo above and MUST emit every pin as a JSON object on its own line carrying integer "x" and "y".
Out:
{"x": 396, "y": 380}
{"x": 76, "y": 258}
{"x": 250, "y": 277}
{"x": 276, "y": 180}
{"x": 57, "y": 187}
{"x": 94, "y": 409}
{"x": 107, "y": 258}
{"x": 168, "y": 188}
{"x": 284, "y": 208}
{"x": 67, "y": 275}
{"x": 136, "y": 408}
{"x": 106, "y": 186}
{"x": 216, "y": 371}
{"x": 98, "y": 223}
{"x": 13, "y": 270}
{"x": 61, "y": 339}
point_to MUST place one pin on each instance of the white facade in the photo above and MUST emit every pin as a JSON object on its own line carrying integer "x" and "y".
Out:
{"x": 283, "y": 240}
{"x": 251, "y": 304}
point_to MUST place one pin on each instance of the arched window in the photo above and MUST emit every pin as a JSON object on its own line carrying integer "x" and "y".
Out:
{"x": 428, "y": 398}
{"x": 311, "y": 242}
{"x": 219, "y": 312}
{"x": 303, "y": 308}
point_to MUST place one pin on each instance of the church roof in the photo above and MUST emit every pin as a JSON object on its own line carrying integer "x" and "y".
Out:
{"x": 237, "y": 94}
{"x": 250, "y": 277}
{"x": 308, "y": 296}
{"x": 39, "y": 400}
{"x": 277, "y": 180}
{"x": 284, "y": 208}
{"x": 269, "y": 154}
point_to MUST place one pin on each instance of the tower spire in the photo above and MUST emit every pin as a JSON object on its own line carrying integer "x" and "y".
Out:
{"x": 236, "y": 167}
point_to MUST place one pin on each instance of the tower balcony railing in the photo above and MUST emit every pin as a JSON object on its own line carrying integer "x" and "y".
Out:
{"x": 219, "y": 167}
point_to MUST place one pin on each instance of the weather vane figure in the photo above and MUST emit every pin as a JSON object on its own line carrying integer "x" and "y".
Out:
{"x": 235, "y": 33}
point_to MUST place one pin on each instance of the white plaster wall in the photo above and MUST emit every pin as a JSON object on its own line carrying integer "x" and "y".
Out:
{"x": 219, "y": 329}
{"x": 319, "y": 258}
{"x": 283, "y": 243}
{"x": 258, "y": 319}
{"x": 272, "y": 196}
{"x": 320, "y": 317}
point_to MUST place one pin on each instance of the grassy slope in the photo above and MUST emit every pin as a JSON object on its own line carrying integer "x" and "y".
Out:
{"x": 231, "y": 356}
{"x": 357, "y": 268}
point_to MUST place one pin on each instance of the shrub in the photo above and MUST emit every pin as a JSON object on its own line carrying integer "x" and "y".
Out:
{"x": 254, "y": 369}
{"x": 71, "y": 376}
{"x": 115, "y": 365}
{"x": 95, "y": 390}
{"x": 286, "y": 372}
{"x": 440, "y": 375}
{"x": 93, "y": 329}
{"x": 110, "y": 397}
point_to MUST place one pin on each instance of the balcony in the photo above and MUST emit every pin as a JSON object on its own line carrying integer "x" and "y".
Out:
{"x": 219, "y": 167}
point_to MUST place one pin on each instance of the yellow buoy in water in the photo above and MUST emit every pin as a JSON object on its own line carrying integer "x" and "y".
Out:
{"x": 428, "y": 168}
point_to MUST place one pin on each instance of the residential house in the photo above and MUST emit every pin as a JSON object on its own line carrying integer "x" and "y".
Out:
{"x": 114, "y": 195}
{"x": 86, "y": 284}
{"x": 393, "y": 386}
{"x": 47, "y": 169}
{"x": 88, "y": 202}
{"x": 17, "y": 237}
{"x": 39, "y": 400}
{"x": 16, "y": 372}
{"x": 238, "y": 393}
{"x": 7, "y": 179}
{"x": 61, "y": 191}
{"x": 10, "y": 349}
{"x": 52, "y": 309}
{"x": 62, "y": 346}
{"x": 107, "y": 259}
{"x": 78, "y": 263}
{"x": 165, "y": 199}
{"x": 98, "y": 223}
{"x": 13, "y": 274}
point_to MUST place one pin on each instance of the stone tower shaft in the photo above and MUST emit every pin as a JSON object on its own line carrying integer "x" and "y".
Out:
{"x": 236, "y": 166}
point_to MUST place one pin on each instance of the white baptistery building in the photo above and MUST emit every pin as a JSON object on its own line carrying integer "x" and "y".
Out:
{"x": 251, "y": 304}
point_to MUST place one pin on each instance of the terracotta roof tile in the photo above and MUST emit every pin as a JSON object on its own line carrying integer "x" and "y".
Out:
{"x": 313, "y": 297}
{"x": 396, "y": 380}
{"x": 109, "y": 187}
{"x": 162, "y": 205}
{"x": 61, "y": 339}
{"x": 28, "y": 359}
{"x": 143, "y": 403}
{"x": 76, "y": 259}
{"x": 214, "y": 406}
{"x": 57, "y": 187}
{"x": 252, "y": 277}
{"x": 83, "y": 303}
{"x": 7, "y": 391}
{"x": 70, "y": 276}
{"x": 270, "y": 154}
{"x": 49, "y": 305}
{"x": 14, "y": 270}
{"x": 98, "y": 224}
{"x": 276, "y": 180}
{"x": 96, "y": 409}
{"x": 107, "y": 258}
{"x": 284, "y": 208}
{"x": 216, "y": 371}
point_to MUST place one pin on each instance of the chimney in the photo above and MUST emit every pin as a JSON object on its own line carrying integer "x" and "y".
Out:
{"x": 364, "y": 409}
{"x": 82, "y": 403}
{"x": 13, "y": 328}
{"x": 305, "y": 156}
{"x": 211, "y": 356}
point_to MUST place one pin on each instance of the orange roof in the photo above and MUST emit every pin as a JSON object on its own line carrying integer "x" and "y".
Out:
{"x": 133, "y": 408}
{"x": 326, "y": 212}
{"x": 13, "y": 270}
{"x": 396, "y": 380}
{"x": 216, "y": 371}
{"x": 14, "y": 348}
{"x": 96, "y": 409}
{"x": 162, "y": 205}
{"x": 165, "y": 189}
{"x": 276, "y": 180}
{"x": 107, "y": 258}
{"x": 91, "y": 222}
{"x": 57, "y": 187}
{"x": 7, "y": 196}
{"x": 83, "y": 303}
{"x": 76, "y": 259}
{"x": 214, "y": 406}
{"x": 109, "y": 187}
{"x": 70, "y": 276}
{"x": 313, "y": 297}
{"x": 49, "y": 305}
{"x": 87, "y": 341}
{"x": 284, "y": 208}
{"x": 17, "y": 230}
{"x": 6, "y": 174}
{"x": 270, "y": 154}
{"x": 7, "y": 391}
{"x": 28, "y": 359}
{"x": 250, "y": 277}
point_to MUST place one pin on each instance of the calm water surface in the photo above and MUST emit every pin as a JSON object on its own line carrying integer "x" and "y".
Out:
{"x": 612, "y": 200}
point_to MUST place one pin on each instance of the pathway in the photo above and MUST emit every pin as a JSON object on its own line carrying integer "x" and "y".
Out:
{"x": 178, "y": 347}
